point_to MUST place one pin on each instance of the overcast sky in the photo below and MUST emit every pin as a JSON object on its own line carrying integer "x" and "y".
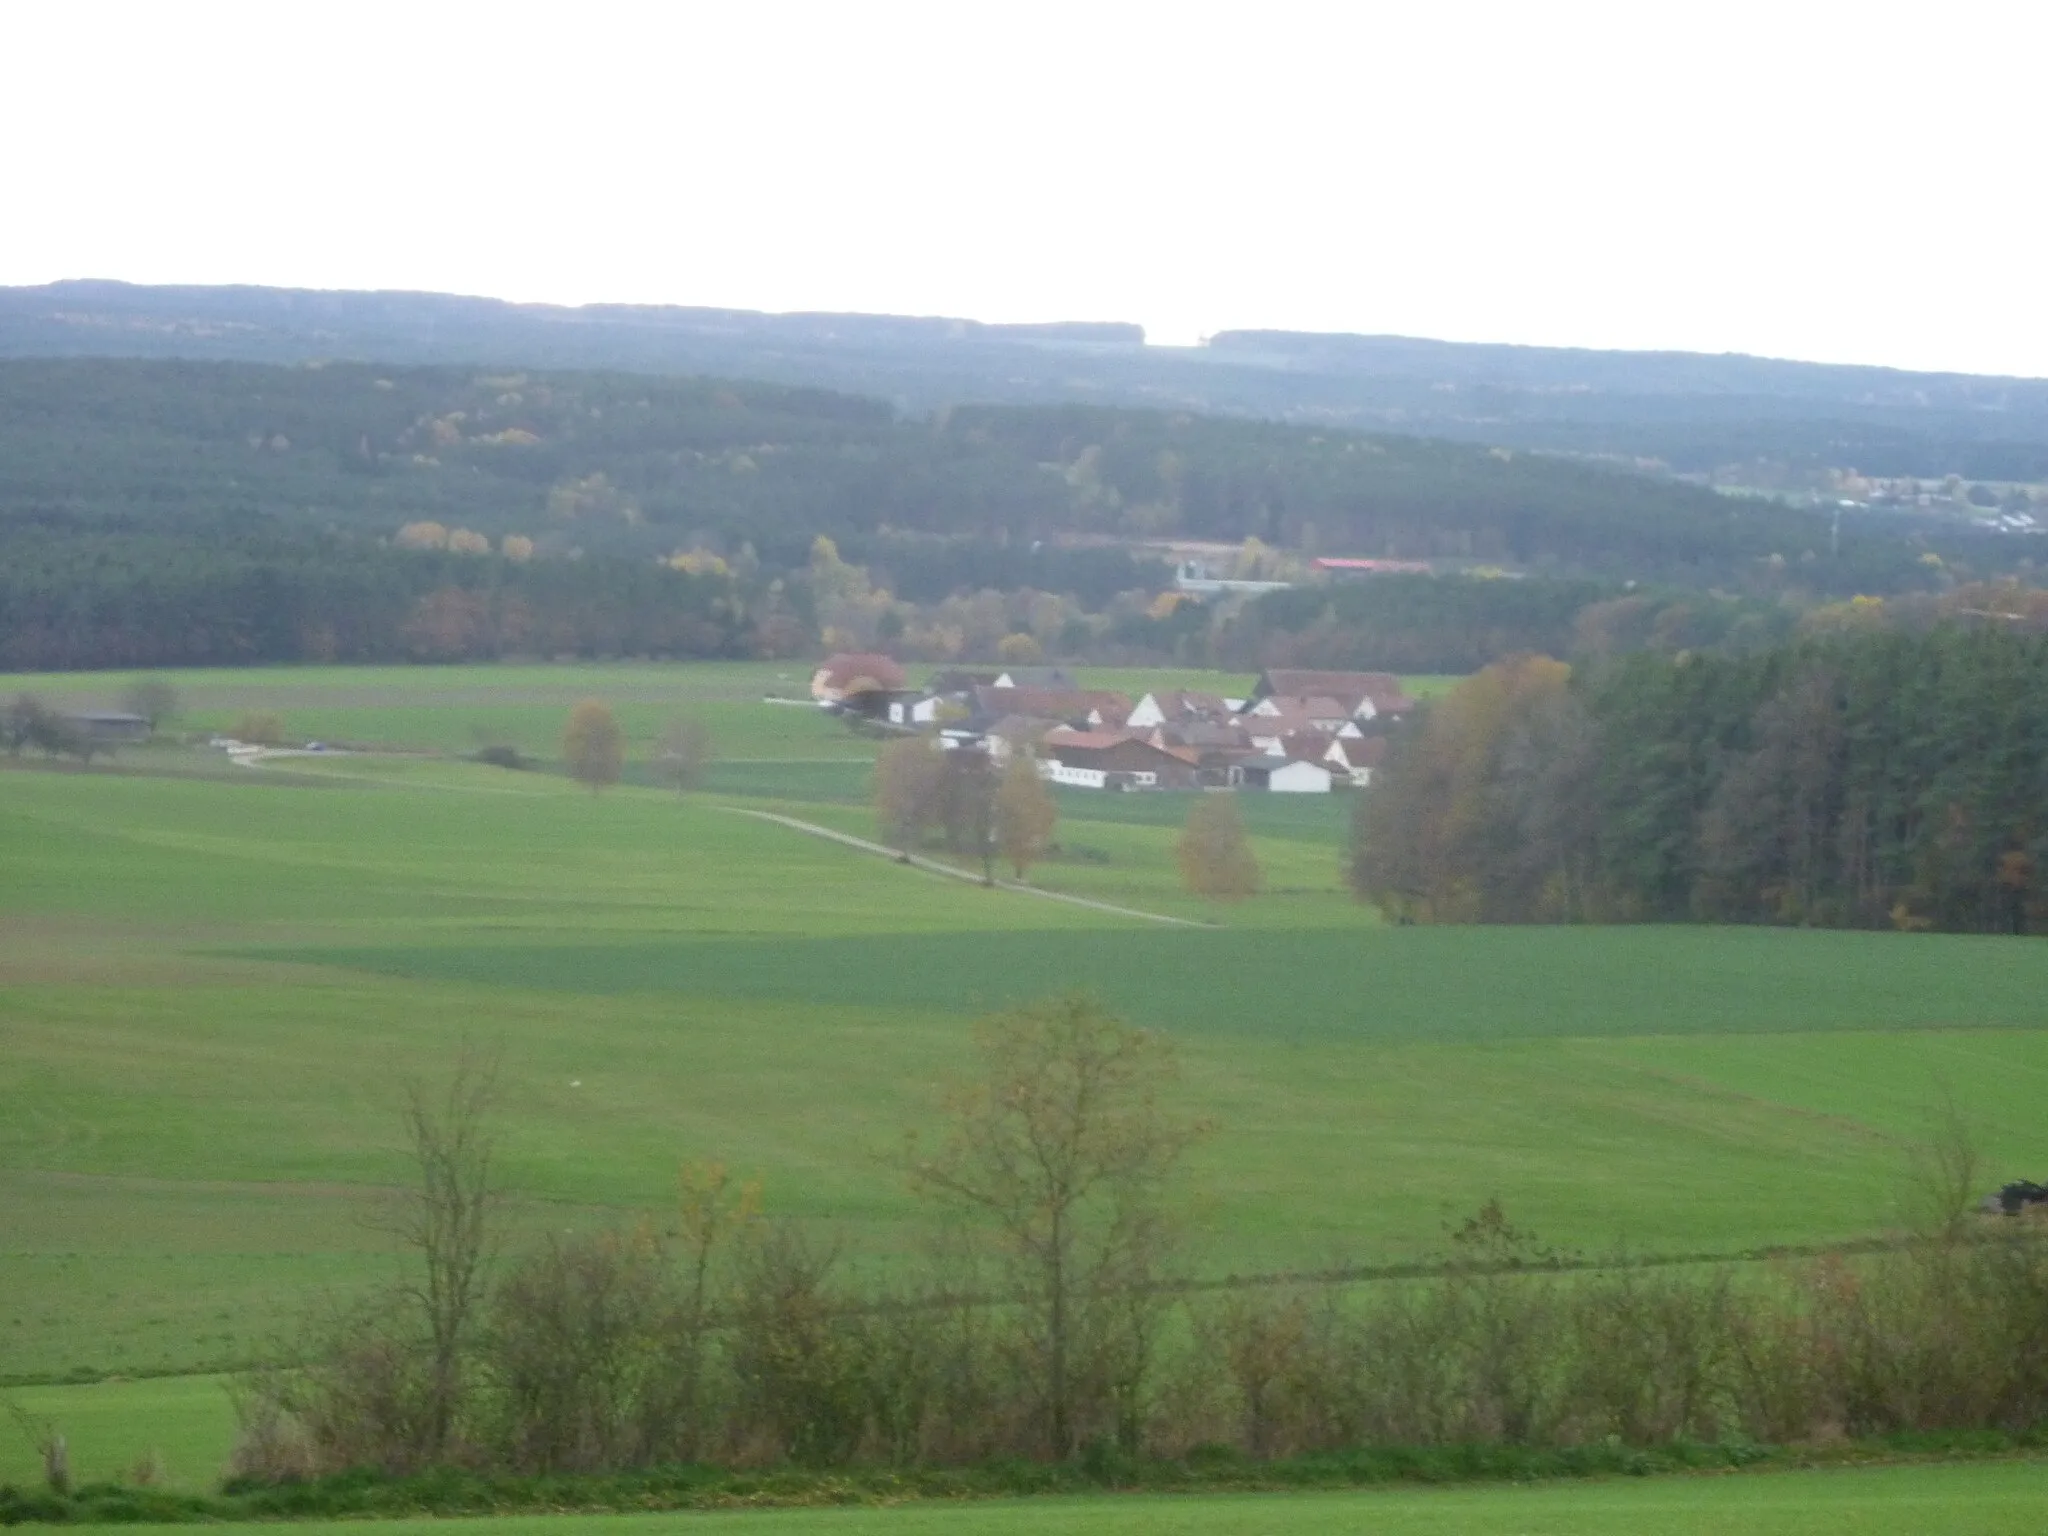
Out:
{"x": 1857, "y": 182}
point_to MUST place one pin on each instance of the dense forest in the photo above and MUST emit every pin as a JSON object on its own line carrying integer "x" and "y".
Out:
{"x": 1879, "y": 775}
{"x": 229, "y": 594}
{"x": 641, "y": 465}
{"x": 1693, "y": 412}
{"x": 170, "y": 512}
{"x": 1452, "y": 624}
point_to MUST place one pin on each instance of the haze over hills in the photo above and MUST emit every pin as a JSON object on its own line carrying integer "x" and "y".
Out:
{"x": 1748, "y": 420}
{"x": 210, "y": 475}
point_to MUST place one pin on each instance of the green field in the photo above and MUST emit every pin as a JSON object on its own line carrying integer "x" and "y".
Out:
{"x": 457, "y": 709}
{"x": 214, "y": 982}
{"x": 2004, "y": 1499}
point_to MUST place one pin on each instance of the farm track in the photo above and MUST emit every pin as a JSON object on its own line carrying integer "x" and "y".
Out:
{"x": 933, "y": 866}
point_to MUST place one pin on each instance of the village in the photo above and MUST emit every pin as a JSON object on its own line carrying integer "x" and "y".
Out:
{"x": 1296, "y": 732}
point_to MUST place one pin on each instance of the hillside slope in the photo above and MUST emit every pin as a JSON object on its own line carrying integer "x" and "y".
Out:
{"x": 1695, "y": 412}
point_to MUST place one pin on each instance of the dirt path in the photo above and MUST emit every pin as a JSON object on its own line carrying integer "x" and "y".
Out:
{"x": 933, "y": 866}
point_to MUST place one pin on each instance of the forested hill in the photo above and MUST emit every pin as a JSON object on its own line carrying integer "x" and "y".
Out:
{"x": 1759, "y": 418}
{"x": 639, "y": 465}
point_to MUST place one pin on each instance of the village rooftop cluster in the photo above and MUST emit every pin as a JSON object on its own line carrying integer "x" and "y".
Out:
{"x": 1298, "y": 732}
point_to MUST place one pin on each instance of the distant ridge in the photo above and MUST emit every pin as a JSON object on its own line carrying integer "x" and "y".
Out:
{"x": 1693, "y": 413}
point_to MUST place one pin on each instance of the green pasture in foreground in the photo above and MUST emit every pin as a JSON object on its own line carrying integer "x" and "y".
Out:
{"x": 1985, "y": 1499}
{"x": 211, "y": 992}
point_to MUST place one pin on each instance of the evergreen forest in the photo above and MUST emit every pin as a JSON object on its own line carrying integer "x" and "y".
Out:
{"x": 1881, "y": 777}
{"x": 167, "y": 512}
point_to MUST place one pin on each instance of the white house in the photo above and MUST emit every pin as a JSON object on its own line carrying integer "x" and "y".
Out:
{"x": 1299, "y": 778}
{"x": 1146, "y": 712}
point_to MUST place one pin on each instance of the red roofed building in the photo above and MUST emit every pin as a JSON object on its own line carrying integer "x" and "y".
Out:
{"x": 1115, "y": 759}
{"x": 1363, "y": 695}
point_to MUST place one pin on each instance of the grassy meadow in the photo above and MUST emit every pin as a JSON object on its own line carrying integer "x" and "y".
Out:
{"x": 215, "y": 981}
{"x": 1995, "y": 1499}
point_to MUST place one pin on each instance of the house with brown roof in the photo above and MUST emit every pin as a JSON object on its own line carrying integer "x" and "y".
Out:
{"x": 1115, "y": 759}
{"x": 1363, "y": 695}
{"x": 1170, "y": 706}
{"x": 1089, "y": 707}
{"x": 1264, "y": 730}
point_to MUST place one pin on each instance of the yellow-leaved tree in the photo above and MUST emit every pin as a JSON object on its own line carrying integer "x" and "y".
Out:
{"x": 1216, "y": 858}
{"x": 593, "y": 745}
{"x": 1026, "y": 813}
{"x": 1484, "y": 811}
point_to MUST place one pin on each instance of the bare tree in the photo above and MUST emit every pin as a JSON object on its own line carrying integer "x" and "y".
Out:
{"x": 151, "y": 697}
{"x": 445, "y": 1221}
{"x": 1944, "y": 1176}
{"x": 1065, "y": 1146}
{"x": 685, "y": 753}
{"x": 907, "y": 785}
{"x": 967, "y": 806}
{"x": 52, "y": 1449}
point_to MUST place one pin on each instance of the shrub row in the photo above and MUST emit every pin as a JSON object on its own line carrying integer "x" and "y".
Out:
{"x": 605, "y": 1354}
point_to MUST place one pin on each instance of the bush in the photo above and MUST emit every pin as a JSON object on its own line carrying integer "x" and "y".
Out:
{"x": 258, "y": 727}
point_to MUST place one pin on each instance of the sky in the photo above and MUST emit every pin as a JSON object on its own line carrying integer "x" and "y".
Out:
{"x": 1841, "y": 182}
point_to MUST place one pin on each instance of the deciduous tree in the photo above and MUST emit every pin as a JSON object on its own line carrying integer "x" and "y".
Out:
{"x": 684, "y": 755}
{"x": 1026, "y": 813}
{"x": 445, "y": 1222}
{"x": 1064, "y": 1145}
{"x": 907, "y": 782}
{"x": 593, "y": 745}
{"x": 1216, "y": 858}
{"x": 259, "y": 727}
{"x": 153, "y": 698}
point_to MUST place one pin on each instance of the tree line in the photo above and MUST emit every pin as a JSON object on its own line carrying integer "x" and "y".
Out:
{"x": 1875, "y": 777}
{"x": 127, "y": 597}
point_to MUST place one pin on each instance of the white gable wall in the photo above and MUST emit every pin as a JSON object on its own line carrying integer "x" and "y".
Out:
{"x": 1299, "y": 778}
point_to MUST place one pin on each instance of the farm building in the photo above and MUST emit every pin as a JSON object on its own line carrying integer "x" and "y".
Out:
{"x": 1093, "y": 708}
{"x": 1115, "y": 759}
{"x": 1299, "y": 777}
{"x": 110, "y": 727}
{"x": 1177, "y": 705}
{"x": 1361, "y": 695}
{"x": 853, "y": 673}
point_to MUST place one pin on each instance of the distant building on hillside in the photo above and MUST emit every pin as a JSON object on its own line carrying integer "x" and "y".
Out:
{"x": 111, "y": 727}
{"x": 1362, "y": 695}
{"x": 1114, "y": 759}
{"x": 1194, "y": 578}
{"x": 851, "y": 673}
{"x": 1343, "y": 567}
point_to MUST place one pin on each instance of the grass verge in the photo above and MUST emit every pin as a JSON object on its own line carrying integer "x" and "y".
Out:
{"x": 361, "y": 1495}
